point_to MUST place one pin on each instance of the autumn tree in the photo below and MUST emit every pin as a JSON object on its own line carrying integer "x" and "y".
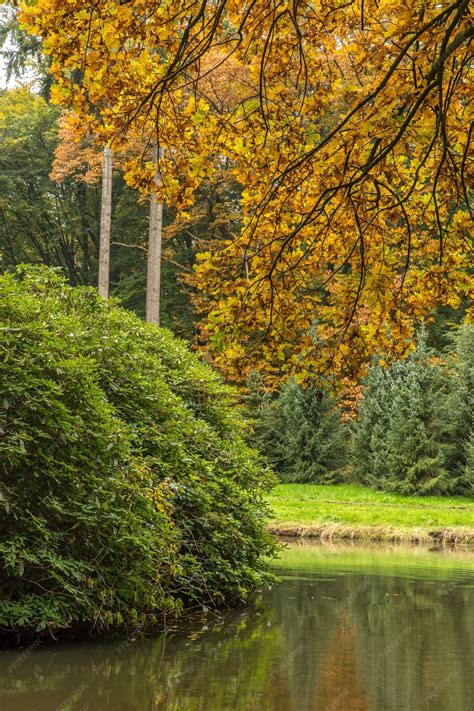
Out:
{"x": 215, "y": 210}
{"x": 350, "y": 140}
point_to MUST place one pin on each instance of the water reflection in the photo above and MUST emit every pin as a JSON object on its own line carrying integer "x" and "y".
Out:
{"x": 337, "y": 633}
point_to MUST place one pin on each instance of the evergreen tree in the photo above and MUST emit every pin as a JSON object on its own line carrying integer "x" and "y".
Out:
{"x": 258, "y": 398}
{"x": 469, "y": 465}
{"x": 408, "y": 437}
{"x": 415, "y": 439}
{"x": 460, "y": 404}
{"x": 368, "y": 444}
{"x": 302, "y": 435}
{"x": 22, "y": 53}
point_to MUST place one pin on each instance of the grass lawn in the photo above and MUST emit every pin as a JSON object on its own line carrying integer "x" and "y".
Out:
{"x": 353, "y": 507}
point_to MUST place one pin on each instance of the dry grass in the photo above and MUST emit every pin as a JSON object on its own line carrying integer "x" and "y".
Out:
{"x": 344, "y": 532}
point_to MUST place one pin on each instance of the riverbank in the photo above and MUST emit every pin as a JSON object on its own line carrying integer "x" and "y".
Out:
{"x": 352, "y": 512}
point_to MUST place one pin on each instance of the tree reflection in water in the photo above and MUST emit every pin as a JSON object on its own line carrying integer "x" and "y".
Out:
{"x": 347, "y": 632}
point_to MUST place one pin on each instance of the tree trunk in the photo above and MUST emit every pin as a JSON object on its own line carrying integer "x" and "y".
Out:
{"x": 154, "y": 252}
{"x": 105, "y": 224}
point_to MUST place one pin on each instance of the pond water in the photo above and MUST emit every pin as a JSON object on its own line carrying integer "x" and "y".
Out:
{"x": 345, "y": 628}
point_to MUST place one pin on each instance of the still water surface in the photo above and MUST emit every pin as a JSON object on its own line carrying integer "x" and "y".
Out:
{"x": 345, "y": 629}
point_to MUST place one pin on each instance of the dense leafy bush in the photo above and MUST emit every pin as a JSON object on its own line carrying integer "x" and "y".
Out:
{"x": 414, "y": 422}
{"x": 126, "y": 488}
{"x": 301, "y": 433}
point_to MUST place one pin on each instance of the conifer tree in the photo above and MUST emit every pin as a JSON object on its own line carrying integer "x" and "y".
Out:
{"x": 469, "y": 465}
{"x": 302, "y": 435}
{"x": 408, "y": 437}
{"x": 460, "y": 405}
{"x": 368, "y": 444}
{"x": 415, "y": 439}
{"x": 257, "y": 398}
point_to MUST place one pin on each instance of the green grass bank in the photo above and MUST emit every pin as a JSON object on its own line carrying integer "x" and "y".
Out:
{"x": 352, "y": 512}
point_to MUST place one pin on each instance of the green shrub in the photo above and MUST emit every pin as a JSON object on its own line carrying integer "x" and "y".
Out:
{"x": 126, "y": 488}
{"x": 301, "y": 434}
{"x": 413, "y": 424}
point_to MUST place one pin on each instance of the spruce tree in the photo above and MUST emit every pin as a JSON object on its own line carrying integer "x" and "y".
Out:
{"x": 369, "y": 445}
{"x": 415, "y": 441}
{"x": 402, "y": 440}
{"x": 259, "y": 409}
{"x": 302, "y": 435}
{"x": 257, "y": 396}
{"x": 320, "y": 442}
{"x": 460, "y": 406}
{"x": 468, "y": 469}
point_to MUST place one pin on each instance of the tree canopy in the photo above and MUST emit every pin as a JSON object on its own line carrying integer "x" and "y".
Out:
{"x": 348, "y": 128}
